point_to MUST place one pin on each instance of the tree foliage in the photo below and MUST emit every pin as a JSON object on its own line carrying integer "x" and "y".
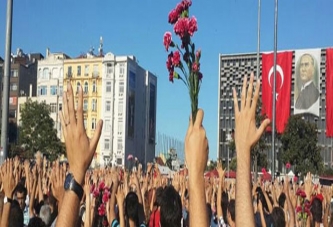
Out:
{"x": 233, "y": 164}
{"x": 299, "y": 146}
{"x": 37, "y": 132}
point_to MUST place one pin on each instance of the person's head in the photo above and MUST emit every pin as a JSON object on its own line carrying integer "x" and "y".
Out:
{"x": 278, "y": 219}
{"x": 36, "y": 222}
{"x": 282, "y": 199}
{"x": 306, "y": 68}
{"x": 224, "y": 204}
{"x": 317, "y": 210}
{"x": 16, "y": 215}
{"x": 231, "y": 211}
{"x": 20, "y": 193}
{"x": 132, "y": 207}
{"x": 171, "y": 208}
{"x": 45, "y": 214}
{"x": 159, "y": 194}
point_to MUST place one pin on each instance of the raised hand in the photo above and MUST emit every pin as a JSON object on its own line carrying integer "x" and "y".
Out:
{"x": 58, "y": 180}
{"x": 8, "y": 180}
{"x": 196, "y": 146}
{"x": 246, "y": 132}
{"x": 79, "y": 148}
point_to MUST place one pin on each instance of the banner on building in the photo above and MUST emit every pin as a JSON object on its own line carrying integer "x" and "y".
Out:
{"x": 329, "y": 92}
{"x": 131, "y": 105}
{"x": 283, "y": 85}
{"x": 307, "y": 81}
{"x": 152, "y": 113}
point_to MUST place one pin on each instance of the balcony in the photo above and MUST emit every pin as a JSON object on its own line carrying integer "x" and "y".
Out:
{"x": 69, "y": 75}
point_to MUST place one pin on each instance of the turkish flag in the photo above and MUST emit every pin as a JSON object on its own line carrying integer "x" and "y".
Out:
{"x": 329, "y": 92}
{"x": 283, "y": 84}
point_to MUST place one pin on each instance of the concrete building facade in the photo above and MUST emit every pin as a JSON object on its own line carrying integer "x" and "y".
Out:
{"x": 128, "y": 110}
{"x": 232, "y": 69}
{"x": 50, "y": 84}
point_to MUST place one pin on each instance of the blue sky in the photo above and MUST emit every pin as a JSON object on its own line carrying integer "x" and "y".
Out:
{"x": 136, "y": 28}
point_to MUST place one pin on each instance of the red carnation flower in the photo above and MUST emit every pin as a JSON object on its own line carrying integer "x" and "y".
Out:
{"x": 105, "y": 223}
{"x": 298, "y": 209}
{"x": 288, "y": 165}
{"x": 101, "y": 210}
{"x": 101, "y": 186}
{"x": 198, "y": 54}
{"x": 179, "y": 8}
{"x": 200, "y": 75}
{"x": 263, "y": 170}
{"x": 173, "y": 16}
{"x": 295, "y": 179}
{"x": 169, "y": 63}
{"x": 171, "y": 77}
{"x": 195, "y": 67}
{"x": 181, "y": 27}
{"x": 167, "y": 40}
{"x": 186, "y": 4}
{"x": 176, "y": 58}
{"x": 192, "y": 26}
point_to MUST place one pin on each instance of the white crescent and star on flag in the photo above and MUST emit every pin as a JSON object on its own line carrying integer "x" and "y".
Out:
{"x": 280, "y": 71}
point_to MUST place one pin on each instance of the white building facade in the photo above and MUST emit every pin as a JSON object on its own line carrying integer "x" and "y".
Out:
{"x": 50, "y": 84}
{"x": 128, "y": 111}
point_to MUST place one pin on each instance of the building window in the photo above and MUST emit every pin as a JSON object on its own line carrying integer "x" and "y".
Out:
{"x": 85, "y": 123}
{"x": 85, "y": 105}
{"x": 53, "y": 107}
{"x": 95, "y": 71}
{"x": 108, "y": 106}
{"x": 53, "y": 90}
{"x": 60, "y": 106}
{"x": 93, "y": 123}
{"x": 45, "y": 73}
{"x": 86, "y": 70}
{"x": 86, "y": 87}
{"x": 119, "y": 161}
{"x": 107, "y": 125}
{"x": 69, "y": 71}
{"x": 121, "y": 88}
{"x": 119, "y": 145}
{"x": 13, "y": 87}
{"x": 60, "y": 90}
{"x": 120, "y": 128}
{"x": 79, "y": 70}
{"x": 14, "y": 73}
{"x": 94, "y": 87}
{"x": 106, "y": 144}
{"x": 42, "y": 90}
{"x": 109, "y": 69}
{"x": 121, "y": 69}
{"x": 94, "y": 105}
{"x": 108, "y": 86}
{"x": 120, "y": 110}
{"x": 78, "y": 87}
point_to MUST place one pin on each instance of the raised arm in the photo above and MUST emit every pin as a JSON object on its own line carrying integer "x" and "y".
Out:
{"x": 80, "y": 152}
{"x": 196, "y": 155}
{"x": 246, "y": 135}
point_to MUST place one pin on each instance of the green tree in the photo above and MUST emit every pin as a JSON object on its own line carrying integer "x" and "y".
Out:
{"x": 299, "y": 146}
{"x": 233, "y": 164}
{"x": 37, "y": 132}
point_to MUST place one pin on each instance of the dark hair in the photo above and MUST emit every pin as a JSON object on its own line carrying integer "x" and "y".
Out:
{"x": 171, "y": 208}
{"x": 209, "y": 212}
{"x": 317, "y": 210}
{"x": 261, "y": 197}
{"x": 16, "y": 215}
{"x": 282, "y": 200}
{"x": 231, "y": 209}
{"x": 224, "y": 205}
{"x": 20, "y": 189}
{"x": 132, "y": 207}
{"x": 278, "y": 219}
{"x": 36, "y": 222}
{"x": 158, "y": 196}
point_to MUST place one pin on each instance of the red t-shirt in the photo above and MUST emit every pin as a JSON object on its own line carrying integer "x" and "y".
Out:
{"x": 154, "y": 220}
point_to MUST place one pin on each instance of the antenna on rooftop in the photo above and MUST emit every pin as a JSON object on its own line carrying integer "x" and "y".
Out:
{"x": 100, "y": 49}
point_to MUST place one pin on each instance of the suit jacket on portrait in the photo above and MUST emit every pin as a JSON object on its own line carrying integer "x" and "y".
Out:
{"x": 307, "y": 97}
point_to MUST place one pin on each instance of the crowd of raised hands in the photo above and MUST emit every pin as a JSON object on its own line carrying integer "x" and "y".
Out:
{"x": 42, "y": 193}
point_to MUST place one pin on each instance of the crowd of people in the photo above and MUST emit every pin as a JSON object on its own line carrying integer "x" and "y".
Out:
{"x": 43, "y": 193}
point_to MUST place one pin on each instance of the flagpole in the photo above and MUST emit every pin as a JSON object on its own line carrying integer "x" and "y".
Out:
{"x": 274, "y": 89}
{"x": 5, "y": 104}
{"x": 258, "y": 69}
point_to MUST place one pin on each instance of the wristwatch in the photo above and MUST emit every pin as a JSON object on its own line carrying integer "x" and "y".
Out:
{"x": 71, "y": 184}
{"x": 7, "y": 200}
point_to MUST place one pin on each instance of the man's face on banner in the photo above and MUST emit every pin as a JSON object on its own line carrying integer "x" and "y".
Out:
{"x": 306, "y": 68}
